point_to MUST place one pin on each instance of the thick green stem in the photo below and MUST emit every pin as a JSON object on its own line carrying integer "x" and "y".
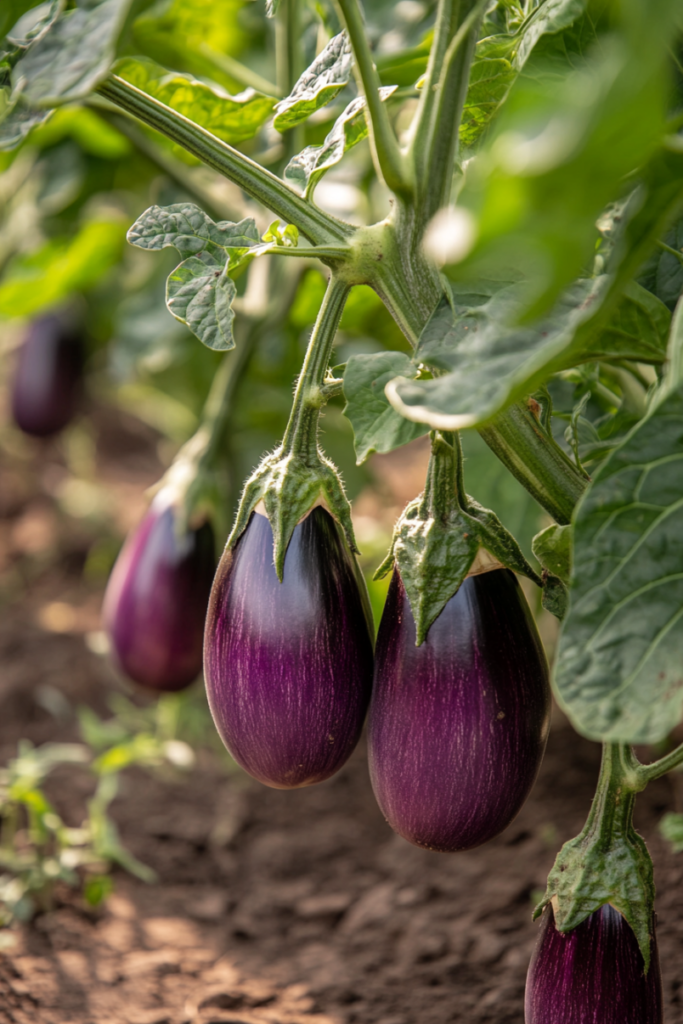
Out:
{"x": 444, "y": 487}
{"x": 301, "y": 435}
{"x": 515, "y": 435}
{"x": 260, "y": 184}
{"x": 290, "y": 65}
{"x": 388, "y": 158}
{"x": 611, "y": 813}
{"x": 446, "y": 25}
{"x": 536, "y": 460}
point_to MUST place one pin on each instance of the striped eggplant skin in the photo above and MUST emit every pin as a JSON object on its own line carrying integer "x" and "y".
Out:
{"x": 288, "y": 666}
{"x": 156, "y": 600}
{"x": 47, "y": 381}
{"x": 592, "y": 975}
{"x": 458, "y": 726}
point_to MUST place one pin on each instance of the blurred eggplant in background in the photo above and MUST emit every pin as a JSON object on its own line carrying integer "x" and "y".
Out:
{"x": 156, "y": 599}
{"x": 48, "y": 379}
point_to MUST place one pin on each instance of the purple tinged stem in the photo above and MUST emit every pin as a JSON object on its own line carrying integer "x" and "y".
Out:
{"x": 156, "y": 600}
{"x": 288, "y": 666}
{"x": 458, "y": 726}
{"x": 592, "y": 975}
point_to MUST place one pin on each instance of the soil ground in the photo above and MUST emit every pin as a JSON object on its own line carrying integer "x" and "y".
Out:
{"x": 281, "y": 907}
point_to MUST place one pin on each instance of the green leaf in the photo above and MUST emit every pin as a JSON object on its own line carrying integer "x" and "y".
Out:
{"x": 619, "y": 673}
{"x": 549, "y": 18}
{"x": 320, "y": 83}
{"x": 18, "y": 120}
{"x": 376, "y": 426}
{"x": 566, "y": 140}
{"x": 60, "y": 267}
{"x": 671, "y": 828}
{"x": 494, "y": 361}
{"x": 230, "y": 118}
{"x": 553, "y": 548}
{"x": 663, "y": 272}
{"x": 307, "y": 167}
{"x": 189, "y": 230}
{"x": 490, "y": 81}
{"x": 12, "y": 11}
{"x": 75, "y": 55}
{"x": 199, "y": 293}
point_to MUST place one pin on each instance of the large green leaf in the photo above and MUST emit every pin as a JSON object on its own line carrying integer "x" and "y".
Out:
{"x": 320, "y": 83}
{"x": 231, "y": 118}
{"x": 663, "y": 272}
{"x": 619, "y": 672}
{"x": 492, "y": 360}
{"x": 490, "y": 81}
{"x": 566, "y": 140}
{"x": 74, "y": 56}
{"x": 199, "y": 293}
{"x": 376, "y": 426}
{"x": 307, "y": 167}
{"x": 549, "y": 18}
{"x": 17, "y": 120}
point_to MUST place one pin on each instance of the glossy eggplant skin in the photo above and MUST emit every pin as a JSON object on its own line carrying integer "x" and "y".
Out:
{"x": 47, "y": 382}
{"x": 156, "y": 600}
{"x": 458, "y": 726}
{"x": 288, "y": 666}
{"x": 592, "y": 975}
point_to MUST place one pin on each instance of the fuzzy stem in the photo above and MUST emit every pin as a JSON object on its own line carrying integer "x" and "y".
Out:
{"x": 388, "y": 158}
{"x": 301, "y": 435}
{"x": 443, "y": 485}
{"x": 649, "y": 772}
{"x": 260, "y": 184}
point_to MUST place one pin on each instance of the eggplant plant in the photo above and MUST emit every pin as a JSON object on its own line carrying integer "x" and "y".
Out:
{"x": 526, "y": 159}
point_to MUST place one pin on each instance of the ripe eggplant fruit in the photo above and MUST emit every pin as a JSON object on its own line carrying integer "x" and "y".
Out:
{"x": 156, "y": 600}
{"x": 288, "y": 666}
{"x": 592, "y": 975}
{"x": 48, "y": 378}
{"x": 458, "y": 726}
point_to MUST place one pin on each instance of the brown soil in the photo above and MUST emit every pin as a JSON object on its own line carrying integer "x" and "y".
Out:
{"x": 283, "y": 907}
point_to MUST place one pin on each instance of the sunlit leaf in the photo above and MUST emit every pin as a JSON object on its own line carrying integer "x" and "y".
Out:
{"x": 320, "y": 83}
{"x": 307, "y": 168}
{"x": 189, "y": 230}
{"x": 231, "y": 118}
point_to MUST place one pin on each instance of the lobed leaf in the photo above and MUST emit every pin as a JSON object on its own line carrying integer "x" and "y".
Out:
{"x": 320, "y": 83}
{"x": 230, "y": 118}
{"x": 199, "y": 293}
{"x": 189, "y": 230}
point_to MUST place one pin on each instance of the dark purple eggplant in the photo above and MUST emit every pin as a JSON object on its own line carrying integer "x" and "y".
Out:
{"x": 458, "y": 726}
{"x": 592, "y": 975}
{"x": 156, "y": 600}
{"x": 48, "y": 378}
{"x": 288, "y": 666}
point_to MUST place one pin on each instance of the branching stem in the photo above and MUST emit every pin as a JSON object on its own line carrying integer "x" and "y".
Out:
{"x": 260, "y": 184}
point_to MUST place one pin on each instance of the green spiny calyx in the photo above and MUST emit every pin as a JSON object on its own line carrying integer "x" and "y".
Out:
{"x": 297, "y": 476}
{"x": 441, "y": 533}
{"x": 608, "y": 862}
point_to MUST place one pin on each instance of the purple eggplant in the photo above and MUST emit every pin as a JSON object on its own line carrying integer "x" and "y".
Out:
{"x": 48, "y": 378}
{"x": 592, "y": 975}
{"x": 288, "y": 666}
{"x": 458, "y": 726}
{"x": 156, "y": 600}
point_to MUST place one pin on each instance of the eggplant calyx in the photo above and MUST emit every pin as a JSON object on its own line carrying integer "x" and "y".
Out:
{"x": 290, "y": 487}
{"x": 439, "y": 536}
{"x": 608, "y": 862}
